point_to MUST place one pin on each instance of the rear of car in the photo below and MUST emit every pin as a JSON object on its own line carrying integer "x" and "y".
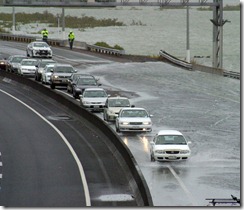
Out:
{"x": 112, "y": 107}
{"x": 169, "y": 145}
{"x": 93, "y": 99}
{"x": 60, "y": 75}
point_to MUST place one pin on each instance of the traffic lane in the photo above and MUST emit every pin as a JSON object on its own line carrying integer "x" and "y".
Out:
{"x": 205, "y": 107}
{"x": 106, "y": 177}
{"x": 38, "y": 171}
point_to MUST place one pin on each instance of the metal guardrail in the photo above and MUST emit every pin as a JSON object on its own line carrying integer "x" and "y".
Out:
{"x": 175, "y": 60}
{"x": 231, "y": 74}
{"x": 105, "y": 50}
{"x": 61, "y": 43}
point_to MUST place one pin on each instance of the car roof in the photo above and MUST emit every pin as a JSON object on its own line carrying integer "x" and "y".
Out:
{"x": 28, "y": 59}
{"x": 133, "y": 108}
{"x": 117, "y": 97}
{"x": 169, "y": 132}
{"x": 50, "y": 65}
{"x": 39, "y": 42}
{"x": 90, "y": 89}
{"x": 63, "y": 64}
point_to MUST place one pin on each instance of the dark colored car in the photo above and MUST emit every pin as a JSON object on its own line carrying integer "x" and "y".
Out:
{"x": 72, "y": 80}
{"x": 83, "y": 82}
{"x": 3, "y": 63}
{"x": 14, "y": 62}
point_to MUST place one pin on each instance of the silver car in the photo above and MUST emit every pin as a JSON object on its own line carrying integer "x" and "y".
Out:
{"x": 39, "y": 49}
{"x": 112, "y": 107}
{"x": 60, "y": 75}
{"x": 27, "y": 67}
{"x": 133, "y": 120}
{"x": 93, "y": 99}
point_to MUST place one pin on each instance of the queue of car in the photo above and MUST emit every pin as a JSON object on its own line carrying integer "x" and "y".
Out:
{"x": 167, "y": 145}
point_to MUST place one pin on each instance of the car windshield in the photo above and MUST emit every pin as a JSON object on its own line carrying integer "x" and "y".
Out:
{"x": 28, "y": 63}
{"x": 86, "y": 81}
{"x": 17, "y": 59}
{"x": 64, "y": 69}
{"x": 94, "y": 94}
{"x": 44, "y": 63}
{"x": 48, "y": 69}
{"x": 40, "y": 44}
{"x": 170, "y": 139}
{"x": 134, "y": 113}
{"x": 118, "y": 103}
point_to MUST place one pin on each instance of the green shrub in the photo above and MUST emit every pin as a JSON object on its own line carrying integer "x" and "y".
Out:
{"x": 104, "y": 44}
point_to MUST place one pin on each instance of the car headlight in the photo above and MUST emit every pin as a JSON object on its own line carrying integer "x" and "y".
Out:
{"x": 146, "y": 123}
{"x": 85, "y": 102}
{"x": 55, "y": 77}
{"x": 1, "y": 62}
{"x": 160, "y": 151}
{"x": 124, "y": 123}
{"x": 184, "y": 151}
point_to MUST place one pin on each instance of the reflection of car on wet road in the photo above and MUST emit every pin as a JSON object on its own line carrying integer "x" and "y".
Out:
{"x": 93, "y": 99}
{"x": 169, "y": 145}
{"x": 133, "y": 120}
{"x": 112, "y": 107}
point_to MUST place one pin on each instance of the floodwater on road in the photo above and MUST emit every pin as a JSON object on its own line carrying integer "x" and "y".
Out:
{"x": 204, "y": 107}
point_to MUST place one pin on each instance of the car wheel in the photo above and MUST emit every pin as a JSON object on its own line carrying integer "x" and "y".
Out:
{"x": 75, "y": 95}
{"x": 117, "y": 130}
{"x": 152, "y": 158}
{"x": 105, "y": 116}
{"x": 52, "y": 86}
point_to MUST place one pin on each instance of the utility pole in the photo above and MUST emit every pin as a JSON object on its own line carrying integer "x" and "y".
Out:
{"x": 13, "y": 20}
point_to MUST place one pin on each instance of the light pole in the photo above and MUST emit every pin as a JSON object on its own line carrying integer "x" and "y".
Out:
{"x": 58, "y": 23}
{"x": 188, "y": 55}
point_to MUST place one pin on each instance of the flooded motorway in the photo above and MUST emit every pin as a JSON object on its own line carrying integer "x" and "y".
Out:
{"x": 204, "y": 107}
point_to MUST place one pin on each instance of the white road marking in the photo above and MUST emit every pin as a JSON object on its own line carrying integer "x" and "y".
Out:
{"x": 189, "y": 195}
{"x": 82, "y": 174}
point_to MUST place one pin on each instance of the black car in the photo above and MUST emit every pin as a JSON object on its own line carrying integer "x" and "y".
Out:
{"x": 13, "y": 62}
{"x": 83, "y": 82}
{"x": 3, "y": 63}
{"x": 72, "y": 80}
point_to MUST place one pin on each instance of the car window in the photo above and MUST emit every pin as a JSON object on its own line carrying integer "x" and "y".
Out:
{"x": 64, "y": 69}
{"x": 134, "y": 113}
{"x": 40, "y": 45}
{"x": 94, "y": 94}
{"x": 28, "y": 63}
{"x": 86, "y": 81}
{"x": 170, "y": 139}
{"x": 119, "y": 103}
{"x": 17, "y": 59}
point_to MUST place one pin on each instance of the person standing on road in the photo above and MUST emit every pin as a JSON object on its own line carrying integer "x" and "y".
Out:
{"x": 44, "y": 34}
{"x": 71, "y": 38}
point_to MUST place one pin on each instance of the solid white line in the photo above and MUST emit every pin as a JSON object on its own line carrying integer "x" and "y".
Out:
{"x": 1, "y": 176}
{"x": 1, "y": 163}
{"x": 194, "y": 203}
{"x": 82, "y": 174}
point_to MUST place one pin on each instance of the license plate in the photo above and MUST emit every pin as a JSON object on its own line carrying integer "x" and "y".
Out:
{"x": 172, "y": 157}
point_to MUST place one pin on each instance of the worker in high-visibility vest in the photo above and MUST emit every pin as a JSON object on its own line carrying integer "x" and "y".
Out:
{"x": 71, "y": 38}
{"x": 44, "y": 34}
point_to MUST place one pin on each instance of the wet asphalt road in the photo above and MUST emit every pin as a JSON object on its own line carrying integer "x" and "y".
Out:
{"x": 204, "y": 107}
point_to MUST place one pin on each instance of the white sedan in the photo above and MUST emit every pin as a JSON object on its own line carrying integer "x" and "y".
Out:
{"x": 169, "y": 145}
{"x": 39, "y": 49}
{"x": 93, "y": 99}
{"x": 133, "y": 120}
{"x": 27, "y": 67}
{"x": 46, "y": 74}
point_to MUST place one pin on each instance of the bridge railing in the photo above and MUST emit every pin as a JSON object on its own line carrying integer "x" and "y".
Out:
{"x": 62, "y": 43}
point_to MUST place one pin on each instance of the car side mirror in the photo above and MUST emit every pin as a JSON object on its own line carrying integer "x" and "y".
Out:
{"x": 132, "y": 106}
{"x": 51, "y": 70}
{"x": 152, "y": 143}
{"x": 189, "y": 142}
{"x": 81, "y": 96}
{"x": 150, "y": 115}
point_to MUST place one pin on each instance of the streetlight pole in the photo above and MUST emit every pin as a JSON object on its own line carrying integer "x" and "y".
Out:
{"x": 188, "y": 55}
